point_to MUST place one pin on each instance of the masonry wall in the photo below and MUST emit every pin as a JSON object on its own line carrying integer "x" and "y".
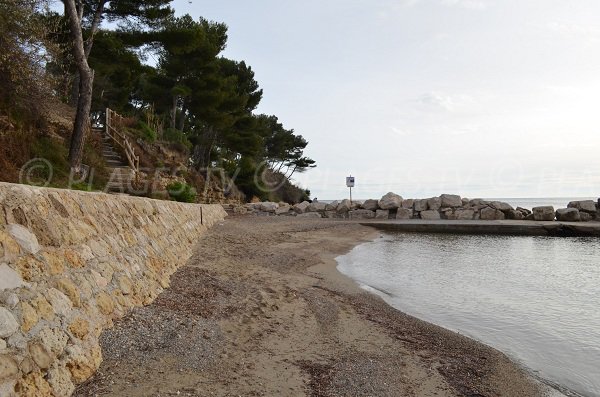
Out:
{"x": 72, "y": 262}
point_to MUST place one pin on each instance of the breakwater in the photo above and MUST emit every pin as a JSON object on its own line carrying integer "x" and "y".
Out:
{"x": 444, "y": 207}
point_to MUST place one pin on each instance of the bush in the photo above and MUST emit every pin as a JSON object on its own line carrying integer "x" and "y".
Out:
{"x": 145, "y": 132}
{"x": 182, "y": 192}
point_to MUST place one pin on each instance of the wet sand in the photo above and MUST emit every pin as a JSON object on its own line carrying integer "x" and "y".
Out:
{"x": 260, "y": 310}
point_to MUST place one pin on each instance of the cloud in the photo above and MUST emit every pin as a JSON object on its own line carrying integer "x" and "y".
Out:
{"x": 440, "y": 101}
{"x": 574, "y": 30}
{"x": 469, "y": 4}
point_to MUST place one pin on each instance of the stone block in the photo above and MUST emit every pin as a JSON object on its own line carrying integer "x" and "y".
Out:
{"x": 568, "y": 215}
{"x": 544, "y": 213}
{"x": 430, "y": 215}
{"x": 382, "y": 214}
{"x": 451, "y": 200}
{"x": 390, "y": 201}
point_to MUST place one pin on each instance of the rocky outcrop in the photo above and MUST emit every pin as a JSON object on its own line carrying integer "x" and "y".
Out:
{"x": 72, "y": 262}
{"x": 568, "y": 215}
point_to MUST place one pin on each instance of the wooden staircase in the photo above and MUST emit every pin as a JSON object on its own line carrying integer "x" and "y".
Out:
{"x": 121, "y": 175}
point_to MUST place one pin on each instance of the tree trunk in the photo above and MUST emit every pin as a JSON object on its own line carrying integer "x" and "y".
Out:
{"x": 174, "y": 112}
{"x": 74, "y": 14}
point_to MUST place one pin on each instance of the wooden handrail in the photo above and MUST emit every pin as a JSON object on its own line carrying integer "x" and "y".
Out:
{"x": 120, "y": 139}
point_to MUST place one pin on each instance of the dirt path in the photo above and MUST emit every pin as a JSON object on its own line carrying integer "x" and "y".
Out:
{"x": 261, "y": 311}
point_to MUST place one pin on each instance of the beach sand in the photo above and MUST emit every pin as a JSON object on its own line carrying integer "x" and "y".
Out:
{"x": 260, "y": 310}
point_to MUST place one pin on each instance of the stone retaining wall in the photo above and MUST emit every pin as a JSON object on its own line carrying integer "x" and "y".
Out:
{"x": 72, "y": 262}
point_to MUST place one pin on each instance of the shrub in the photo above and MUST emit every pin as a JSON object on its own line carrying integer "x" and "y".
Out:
{"x": 182, "y": 192}
{"x": 145, "y": 132}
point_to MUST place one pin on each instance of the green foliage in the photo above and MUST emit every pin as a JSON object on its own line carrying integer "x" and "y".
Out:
{"x": 147, "y": 133}
{"x": 182, "y": 192}
{"x": 175, "y": 136}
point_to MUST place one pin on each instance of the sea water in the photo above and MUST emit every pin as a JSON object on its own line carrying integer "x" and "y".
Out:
{"x": 537, "y": 299}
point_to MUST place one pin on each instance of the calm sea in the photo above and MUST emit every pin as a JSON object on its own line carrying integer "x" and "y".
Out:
{"x": 534, "y": 298}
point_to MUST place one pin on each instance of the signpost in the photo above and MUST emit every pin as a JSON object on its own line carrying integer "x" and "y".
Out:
{"x": 350, "y": 184}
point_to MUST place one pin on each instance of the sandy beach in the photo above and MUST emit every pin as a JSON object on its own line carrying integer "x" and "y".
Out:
{"x": 260, "y": 310}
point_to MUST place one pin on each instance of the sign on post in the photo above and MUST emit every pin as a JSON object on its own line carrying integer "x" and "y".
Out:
{"x": 350, "y": 184}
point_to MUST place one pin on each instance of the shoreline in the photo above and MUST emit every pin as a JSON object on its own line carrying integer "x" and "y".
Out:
{"x": 261, "y": 309}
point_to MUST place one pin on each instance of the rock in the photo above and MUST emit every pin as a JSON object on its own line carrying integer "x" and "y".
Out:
{"x": 317, "y": 207}
{"x": 464, "y": 214}
{"x": 332, "y": 206}
{"x": 515, "y": 215}
{"x": 2, "y": 345}
{"x": 584, "y": 205}
{"x": 568, "y": 215}
{"x": 382, "y": 214}
{"x": 53, "y": 340}
{"x": 390, "y": 201}
{"x": 362, "y": 214}
{"x": 27, "y": 240}
{"x": 105, "y": 303}
{"x": 408, "y": 203}
{"x": 40, "y": 355}
{"x": 370, "y": 205}
{"x": 268, "y": 206}
{"x": 545, "y": 213}
{"x": 80, "y": 328}
{"x": 9, "y": 279}
{"x": 310, "y": 215}
{"x": 434, "y": 203}
{"x": 283, "y": 209}
{"x": 585, "y": 217}
{"x": 8, "y": 323}
{"x": 59, "y": 379}
{"x": 404, "y": 213}
{"x": 420, "y": 205}
{"x": 344, "y": 206}
{"x": 29, "y": 317}
{"x": 465, "y": 202}
{"x": 501, "y": 206}
{"x": 524, "y": 211}
{"x": 491, "y": 214}
{"x": 430, "y": 215}
{"x": 477, "y": 202}
{"x": 301, "y": 207}
{"x": 530, "y": 217}
{"x": 8, "y": 367}
{"x": 451, "y": 200}
{"x": 67, "y": 287}
{"x": 9, "y": 299}
{"x": 332, "y": 214}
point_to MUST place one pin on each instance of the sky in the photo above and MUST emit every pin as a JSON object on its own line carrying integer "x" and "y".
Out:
{"x": 482, "y": 98}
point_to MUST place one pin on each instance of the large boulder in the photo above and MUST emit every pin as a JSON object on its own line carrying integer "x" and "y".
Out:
{"x": 370, "y": 205}
{"x": 382, "y": 214}
{"x": 584, "y": 205}
{"x": 515, "y": 215}
{"x": 524, "y": 211}
{"x": 404, "y": 213}
{"x": 434, "y": 203}
{"x": 362, "y": 214}
{"x": 344, "y": 206}
{"x": 283, "y": 210}
{"x": 501, "y": 206}
{"x": 420, "y": 205}
{"x": 491, "y": 214}
{"x": 568, "y": 215}
{"x": 544, "y": 213}
{"x": 390, "y": 201}
{"x": 585, "y": 217}
{"x": 317, "y": 206}
{"x": 268, "y": 206}
{"x": 464, "y": 214}
{"x": 430, "y": 215}
{"x": 332, "y": 206}
{"x": 408, "y": 203}
{"x": 451, "y": 200}
{"x": 301, "y": 208}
